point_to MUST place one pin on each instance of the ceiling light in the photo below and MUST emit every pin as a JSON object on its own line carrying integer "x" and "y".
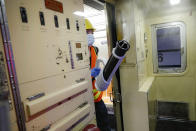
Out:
{"x": 79, "y": 13}
{"x": 174, "y": 2}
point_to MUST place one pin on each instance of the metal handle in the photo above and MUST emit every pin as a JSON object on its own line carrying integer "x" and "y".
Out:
{"x": 117, "y": 97}
{"x": 111, "y": 99}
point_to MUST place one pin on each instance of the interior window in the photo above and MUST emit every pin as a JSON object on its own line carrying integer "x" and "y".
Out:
{"x": 169, "y": 47}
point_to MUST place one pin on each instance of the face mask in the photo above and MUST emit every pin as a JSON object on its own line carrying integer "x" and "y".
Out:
{"x": 90, "y": 39}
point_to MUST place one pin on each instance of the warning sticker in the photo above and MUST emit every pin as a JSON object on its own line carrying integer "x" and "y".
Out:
{"x": 54, "y": 5}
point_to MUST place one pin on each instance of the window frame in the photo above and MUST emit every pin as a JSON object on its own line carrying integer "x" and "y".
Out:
{"x": 183, "y": 45}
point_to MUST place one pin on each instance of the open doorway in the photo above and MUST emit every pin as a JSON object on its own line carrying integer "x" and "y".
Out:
{"x": 98, "y": 19}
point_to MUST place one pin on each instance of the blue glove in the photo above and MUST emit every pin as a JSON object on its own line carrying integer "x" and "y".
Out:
{"x": 95, "y": 72}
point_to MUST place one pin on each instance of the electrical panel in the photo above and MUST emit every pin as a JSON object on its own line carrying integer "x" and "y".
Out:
{"x": 6, "y": 101}
{"x": 52, "y": 63}
{"x": 3, "y": 78}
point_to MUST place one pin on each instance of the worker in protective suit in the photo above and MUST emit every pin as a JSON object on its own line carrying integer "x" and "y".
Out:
{"x": 100, "y": 108}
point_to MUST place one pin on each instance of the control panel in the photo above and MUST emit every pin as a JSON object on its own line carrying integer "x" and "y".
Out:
{"x": 52, "y": 63}
{"x": 51, "y": 40}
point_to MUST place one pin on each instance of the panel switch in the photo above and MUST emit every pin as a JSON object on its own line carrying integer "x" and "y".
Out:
{"x": 23, "y": 14}
{"x": 68, "y": 23}
{"x": 41, "y": 16}
{"x": 77, "y": 25}
{"x": 56, "y": 21}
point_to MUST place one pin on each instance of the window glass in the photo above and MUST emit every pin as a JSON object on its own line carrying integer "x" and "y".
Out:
{"x": 169, "y": 45}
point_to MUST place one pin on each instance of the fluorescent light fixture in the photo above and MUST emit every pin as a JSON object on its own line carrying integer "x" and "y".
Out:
{"x": 174, "y": 2}
{"x": 79, "y": 13}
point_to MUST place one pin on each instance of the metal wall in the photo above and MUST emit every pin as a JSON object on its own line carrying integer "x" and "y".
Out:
{"x": 51, "y": 62}
{"x": 141, "y": 88}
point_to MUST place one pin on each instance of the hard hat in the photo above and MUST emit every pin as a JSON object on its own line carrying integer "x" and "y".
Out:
{"x": 89, "y": 26}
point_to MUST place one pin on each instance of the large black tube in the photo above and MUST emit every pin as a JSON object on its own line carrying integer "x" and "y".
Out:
{"x": 118, "y": 53}
{"x": 112, "y": 62}
{"x": 121, "y": 48}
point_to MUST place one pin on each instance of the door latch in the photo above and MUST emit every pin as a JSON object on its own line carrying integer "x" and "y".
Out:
{"x": 116, "y": 98}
